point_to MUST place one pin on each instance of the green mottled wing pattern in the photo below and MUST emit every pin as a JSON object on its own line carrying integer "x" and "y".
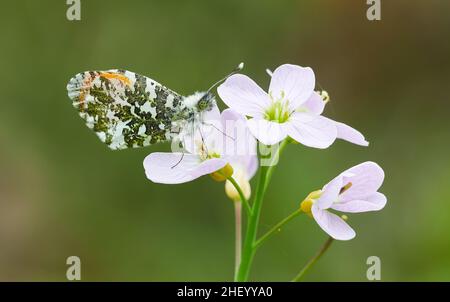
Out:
{"x": 125, "y": 109}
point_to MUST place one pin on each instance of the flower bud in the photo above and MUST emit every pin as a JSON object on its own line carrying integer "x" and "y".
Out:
{"x": 305, "y": 205}
{"x": 244, "y": 184}
{"x": 223, "y": 173}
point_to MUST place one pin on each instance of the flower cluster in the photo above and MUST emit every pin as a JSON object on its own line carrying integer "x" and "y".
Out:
{"x": 225, "y": 145}
{"x": 290, "y": 108}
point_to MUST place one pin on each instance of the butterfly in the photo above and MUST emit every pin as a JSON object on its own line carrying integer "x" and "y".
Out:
{"x": 128, "y": 110}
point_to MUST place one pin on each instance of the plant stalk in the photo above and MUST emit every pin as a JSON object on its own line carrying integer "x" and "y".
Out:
{"x": 248, "y": 250}
{"x": 238, "y": 235}
{"x": 313, "y": 260}
{"x": 276, "y": 228}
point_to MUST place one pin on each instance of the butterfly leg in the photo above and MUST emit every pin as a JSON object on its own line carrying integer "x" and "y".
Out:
{"x": 182, "y": 156}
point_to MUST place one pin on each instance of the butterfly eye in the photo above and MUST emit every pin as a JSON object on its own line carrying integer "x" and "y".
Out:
{"x": 202, "y": 104}
{"x": 205, "y": 102}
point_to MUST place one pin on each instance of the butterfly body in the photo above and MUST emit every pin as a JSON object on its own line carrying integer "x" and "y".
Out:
{"x": 128, "y": 110}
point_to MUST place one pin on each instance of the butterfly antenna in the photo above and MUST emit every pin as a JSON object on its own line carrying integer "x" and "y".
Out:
{"x": 237, "y": 69}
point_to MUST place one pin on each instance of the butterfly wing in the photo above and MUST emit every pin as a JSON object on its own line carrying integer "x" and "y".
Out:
{"x": 125, "y": 109}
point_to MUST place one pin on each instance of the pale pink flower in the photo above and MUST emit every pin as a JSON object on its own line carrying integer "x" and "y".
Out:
{"x": 352, "y": 191}
{"x": 291, "y": 108}
{"x": 216, "y": 143}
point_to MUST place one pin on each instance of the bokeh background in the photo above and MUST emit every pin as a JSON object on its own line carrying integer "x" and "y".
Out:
{"x": 64, "y": 193}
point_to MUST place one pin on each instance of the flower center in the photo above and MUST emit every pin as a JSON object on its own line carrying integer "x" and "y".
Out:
{"x": 278, "y": 111}
{"x": 204, "y": 153}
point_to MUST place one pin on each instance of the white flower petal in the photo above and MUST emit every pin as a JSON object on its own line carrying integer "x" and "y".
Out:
{"x": 242, "y": 94}
{"x": 252, "y": 165}
{"x": 319, "y": 132}
{"x": 268, "y": 133}
{"x": 374, "y": 202}
{"x": 175, "y": 168}
{"x": 350, "y": 134}
{"x": 294, "y": 82}
{"x": 240, "y": 146}
{"x": 239, "y": 141}
{"x": 332, "y": 224}
{"x": 330, "y": 193}
{"x": 366, "y": 178}
{"x": 314, "y": 104}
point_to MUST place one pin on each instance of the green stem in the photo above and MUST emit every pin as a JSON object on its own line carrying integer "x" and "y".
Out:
{"x": 314, "y": 259}
{"x": 248, "y": 251}
{"x": 276, "y": 228}
{"x": 238, "y": 235}
{"x": 241, "y": 195}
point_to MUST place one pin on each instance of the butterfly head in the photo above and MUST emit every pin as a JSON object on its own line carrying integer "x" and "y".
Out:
{"x": 200, "y": 101}
{"x": 206, "y": 102}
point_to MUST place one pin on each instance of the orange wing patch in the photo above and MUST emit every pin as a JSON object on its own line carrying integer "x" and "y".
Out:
{"x": 88, "y": 79}
{"x": 110, "y": 75}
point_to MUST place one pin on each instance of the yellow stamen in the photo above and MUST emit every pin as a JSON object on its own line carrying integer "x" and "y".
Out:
{"x": 345, "y": 188}
{"x": 324, "y": 95}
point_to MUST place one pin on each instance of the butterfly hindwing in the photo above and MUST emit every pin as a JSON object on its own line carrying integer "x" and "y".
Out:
{"x": 125, "y": 109}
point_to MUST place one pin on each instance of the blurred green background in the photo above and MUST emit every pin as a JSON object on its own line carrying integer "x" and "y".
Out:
{"x": 64, "y": 193}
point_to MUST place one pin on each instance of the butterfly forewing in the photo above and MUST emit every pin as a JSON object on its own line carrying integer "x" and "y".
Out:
{"x": 125, "y": 109}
